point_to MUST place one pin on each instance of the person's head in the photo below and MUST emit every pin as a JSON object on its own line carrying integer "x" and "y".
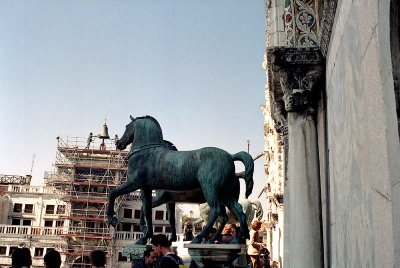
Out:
{"x": 97, "y": 258}
{"x": 52, "y": 259}
{"x": 228, "y": 229}
{"x": 256, "y": 225}
{"x": 149, "y": 256}
{"x": 21, "y": 257}
{"x": 233, "y": 230}
{"x": 161, "y": 244}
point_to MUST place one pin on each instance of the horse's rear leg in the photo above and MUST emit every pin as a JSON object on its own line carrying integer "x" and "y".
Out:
{"x": 125, "y": 188}
{"x": 215, "y": 205}
{"x": 224, "y": 220}
{"x": 237, "y": 209}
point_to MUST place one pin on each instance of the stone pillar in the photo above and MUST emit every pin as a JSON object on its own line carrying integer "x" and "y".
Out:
{"x": 297, "y": 73}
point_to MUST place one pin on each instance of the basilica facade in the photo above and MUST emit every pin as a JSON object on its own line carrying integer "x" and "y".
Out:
{"x": 332, "y": 116}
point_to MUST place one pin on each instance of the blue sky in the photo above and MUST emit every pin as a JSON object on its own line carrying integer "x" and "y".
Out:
{"x": 196, "y": 66}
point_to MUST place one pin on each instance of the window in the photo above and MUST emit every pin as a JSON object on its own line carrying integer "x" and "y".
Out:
{"x": 159, "y": 215}
{"x": 158, "y": 229}
{"x": 136, "y": 228}
{"x": 15, "y": 222}
{"x": 168, "y": 229}
{"x": 12, "y": 249}
{"x": 59, "y": 223}
{"x": 27, "y": 222}
{"x": 61, "y": 209}
{"x": 39, "y": 252}
{"x": 48, "y": 223}
{"x": 137, "y": 214}
{"x": 50, "y": 209}
{"x": 28, "y": 208}
{"x": 17, "y": 208}
{"x": 126, "y": 227}
{"x": 127, "y": 213}
{"x": 103, "y": 225}
{"x": 90, "y": 227}
{"x": 121, "y": 258}
{"x": 3, "y": 250}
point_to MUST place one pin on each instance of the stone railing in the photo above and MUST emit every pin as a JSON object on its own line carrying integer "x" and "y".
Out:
{"x": 18, "y": 230}
{"x": 136, "y": 235}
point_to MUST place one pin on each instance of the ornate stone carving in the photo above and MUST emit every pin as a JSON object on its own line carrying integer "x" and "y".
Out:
{"x": 298, "y": 71}
{"x": 297, "y": 85}
{"x": 328, "y": 18}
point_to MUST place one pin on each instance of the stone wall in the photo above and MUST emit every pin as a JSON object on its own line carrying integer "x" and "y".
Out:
{"x": 362, "y": 139}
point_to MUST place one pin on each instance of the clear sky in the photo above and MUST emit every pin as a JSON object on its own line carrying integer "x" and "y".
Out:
{"x": 196, "y": 66}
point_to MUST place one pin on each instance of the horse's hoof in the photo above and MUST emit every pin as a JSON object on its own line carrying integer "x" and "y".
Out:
{"x": 235, "y": 241}
{"x": 141, "y": 241}
{"x": 196, "y": 240}
{"x": 211, "y": 241}
{"x": 113, "y": 221}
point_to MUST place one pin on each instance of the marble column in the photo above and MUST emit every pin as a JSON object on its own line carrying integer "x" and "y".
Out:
{"x": 299, "y": 73}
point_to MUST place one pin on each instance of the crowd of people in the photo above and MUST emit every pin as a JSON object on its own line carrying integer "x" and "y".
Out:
{"x": 159, "y": 255}
{"x": 21, "y": 258}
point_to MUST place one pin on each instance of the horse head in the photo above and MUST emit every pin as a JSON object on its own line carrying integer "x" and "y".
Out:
{"x": 128, "y": 135}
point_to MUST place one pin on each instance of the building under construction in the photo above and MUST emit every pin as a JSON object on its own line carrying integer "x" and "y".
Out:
{"x": 75, "y": 206}
{"x": 86, "y": 172}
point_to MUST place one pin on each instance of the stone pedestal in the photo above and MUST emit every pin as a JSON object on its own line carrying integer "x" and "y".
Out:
{"x": 217, "y": 255}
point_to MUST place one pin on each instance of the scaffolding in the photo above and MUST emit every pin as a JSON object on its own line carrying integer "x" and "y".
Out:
{"x": 86, "y": 172}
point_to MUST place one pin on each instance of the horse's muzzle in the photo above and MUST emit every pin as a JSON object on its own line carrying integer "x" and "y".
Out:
{"x": 119, "y": 145}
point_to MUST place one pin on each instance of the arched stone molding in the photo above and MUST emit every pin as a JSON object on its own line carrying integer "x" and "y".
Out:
{"x": 327, "y": 20}
{"x": 395, "y": 51}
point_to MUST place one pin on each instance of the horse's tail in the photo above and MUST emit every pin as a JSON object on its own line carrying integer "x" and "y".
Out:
{"x": 247, "y": 174}
{"x": 260, "y": 211}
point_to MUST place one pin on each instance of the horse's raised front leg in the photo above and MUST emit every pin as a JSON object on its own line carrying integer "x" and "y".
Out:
{"x": 146, "y": 201}
{"x": 125, "y": 188}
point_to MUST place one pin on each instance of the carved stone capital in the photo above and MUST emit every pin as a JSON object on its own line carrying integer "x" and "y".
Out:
{"x": 295, "y": 74}
{"x": 297, "y": 85}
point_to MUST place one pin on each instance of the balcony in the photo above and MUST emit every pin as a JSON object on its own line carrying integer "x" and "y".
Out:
{"x": 24, "y": 231}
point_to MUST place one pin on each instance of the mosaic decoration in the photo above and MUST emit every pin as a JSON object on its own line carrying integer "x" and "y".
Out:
{"x": 289, "y": 22}
{"x": 301, "y": 22}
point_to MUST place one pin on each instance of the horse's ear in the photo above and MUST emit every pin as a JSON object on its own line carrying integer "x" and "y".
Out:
{"x": 131, "y": 117}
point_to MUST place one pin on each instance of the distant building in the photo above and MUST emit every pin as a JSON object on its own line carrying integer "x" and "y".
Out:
{"x": 68, "y": 213}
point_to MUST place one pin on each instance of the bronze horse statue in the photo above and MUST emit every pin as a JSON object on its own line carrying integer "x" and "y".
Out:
{"x": 151, "y": 165}
{"x": 170, "y": 198}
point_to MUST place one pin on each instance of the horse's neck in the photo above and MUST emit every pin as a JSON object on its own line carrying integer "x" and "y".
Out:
{"x": 147, "y": 134}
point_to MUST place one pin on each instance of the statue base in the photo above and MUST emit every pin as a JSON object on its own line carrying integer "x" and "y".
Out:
{"x": 217, "y": 255}
{"x": 134, "y": 252}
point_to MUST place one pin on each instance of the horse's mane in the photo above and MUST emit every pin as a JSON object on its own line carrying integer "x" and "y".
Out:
{"x": 151, "y": 118}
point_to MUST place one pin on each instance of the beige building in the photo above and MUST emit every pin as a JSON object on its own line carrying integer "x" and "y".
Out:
{"x": 68, "y": 213}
